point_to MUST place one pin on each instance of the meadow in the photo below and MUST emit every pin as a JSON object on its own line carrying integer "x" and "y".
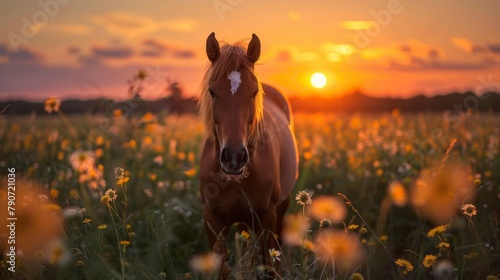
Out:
{"x": 406, "y": 196}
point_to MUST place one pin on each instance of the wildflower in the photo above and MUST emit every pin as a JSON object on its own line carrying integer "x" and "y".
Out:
{"x": 397, "y": 193}
{"x": 205, "y": 263}
{"x": 437, "y": 196}
{"x": 429, "y": 260}
{"x": 119, "y": 173}
{"x": 353, "y": 226}
{"x": 443, "y": 245}
{"x": 54, "y": 193}
{"x": 356, "y": 276}
{"x": 327, "y": 207}
{"x": 82, "y": 161}
{"x": 437, "y": 230}
{"x": 190, "y": 172}
{"x": 303, "y": 198}
{"x": 469, "y": 210}
{"x": 105, "y": 199}
{"x": 158, "y": 159}
{"x": 111, "y": 194}
{"x": 52, "y": 104}
{"x": 103, "y": 226}
{"x": 339, "y": 247}
{"x": 325, "y": 224}
{"x": 80, "y": 263}
{"x": 384, "y": 238}
{"x": 443, "y": 270}
{"x": 87, "y": 220}
{"x": 295, "y": 230}
{"x": 37, "y": 221}
{"x": 275, "y": 254}
{"x": 117, "y": 113}
{"x": 404, "y": 263}
{"x": 57, "y": 253}
{"x": 308, "y": 245}
{"x": 124, "y": 243}
{"x": 363, "y": 230}
{"x": 123, "y": 181}
{"x": 141, "y": 74}
{"x": 244, "y": 236}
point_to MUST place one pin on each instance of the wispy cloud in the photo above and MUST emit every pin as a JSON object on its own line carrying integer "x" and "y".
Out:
{"x": 130, "y": 25}
{"x": 78, "y": 29}
{"x": 23, "y": 55}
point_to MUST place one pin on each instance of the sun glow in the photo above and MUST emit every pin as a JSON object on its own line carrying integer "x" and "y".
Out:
{"x": 318, "y": 80}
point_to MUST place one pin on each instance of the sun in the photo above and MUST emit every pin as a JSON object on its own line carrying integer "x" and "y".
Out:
{"x": 318, "y": 80}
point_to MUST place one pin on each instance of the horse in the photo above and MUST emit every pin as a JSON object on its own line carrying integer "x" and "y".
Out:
{"x": 249, "y": 156}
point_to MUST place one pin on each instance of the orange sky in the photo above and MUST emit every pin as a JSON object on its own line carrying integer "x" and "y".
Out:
{"x": 87, "y": 49}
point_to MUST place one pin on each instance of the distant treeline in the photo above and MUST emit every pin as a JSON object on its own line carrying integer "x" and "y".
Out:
{"x": 355, "y": 102}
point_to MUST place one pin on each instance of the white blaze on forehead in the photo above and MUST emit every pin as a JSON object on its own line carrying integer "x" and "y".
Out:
{"x": 235, "y": 78}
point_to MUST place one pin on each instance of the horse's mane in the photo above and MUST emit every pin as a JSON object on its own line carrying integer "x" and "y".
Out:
{"x": 231, "y": 58}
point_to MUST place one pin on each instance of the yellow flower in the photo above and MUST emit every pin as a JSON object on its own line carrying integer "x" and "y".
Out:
{"x": 327, "y": 207}
{"x": 52, "y": 104}
{"x": 148, "y": 117}
{"x": 152, "y": 177}
{"x": 117, "y": 113}
{"x": 190, "y": 172}
{"x": 52, "y": 207}
{"x": 404, "y": 263}
{"x": 54, "y": 193}
{"x": 437, "y": 230}
{"x": 105, "y": 199}
{"x": 353, "y": 226}
{"x": 57, "y": 253}
{"x": 308, "y": 245}
{"x": 124, "y": 243}
{"x": 469, "y": 210}
{"x": 244, "y": 236}
{"x": 205, "y": 263}
{"x": 87, "y": 220}
{"x": 295, "y": 230}
{"x": 275, "y": 254}
{"x": 443, "y": 245}
{"x": 80, "y": 263}
{"x": 103, "y": 226}
{"x": 303, "y": 198}
{"x": 384, "y": 238}
{"x": 398, "y": 195}
{"x": 429, "y": 260}
{"x": 123, "y": 181}
{"x": 339, "y": 247}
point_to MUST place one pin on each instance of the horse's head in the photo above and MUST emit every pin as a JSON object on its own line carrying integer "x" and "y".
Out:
{"x": 232, "y": 102}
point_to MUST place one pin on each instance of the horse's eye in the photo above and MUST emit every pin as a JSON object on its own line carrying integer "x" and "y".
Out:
{"x": 212, "y": 93}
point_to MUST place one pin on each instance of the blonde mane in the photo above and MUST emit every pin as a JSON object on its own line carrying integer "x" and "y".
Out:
{"x": 231, "y": 58}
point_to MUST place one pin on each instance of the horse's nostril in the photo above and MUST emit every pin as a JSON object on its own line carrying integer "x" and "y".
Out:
{"x": 224, "y": 156}
{"x": 244, "y": 157}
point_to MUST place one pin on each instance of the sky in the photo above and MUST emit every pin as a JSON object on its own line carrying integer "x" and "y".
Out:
{"x": 398, "y": 48}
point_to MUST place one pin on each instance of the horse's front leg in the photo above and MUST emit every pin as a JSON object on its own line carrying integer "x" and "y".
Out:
{"x": 267, "y": 237}
{"x": 217, "y": 233}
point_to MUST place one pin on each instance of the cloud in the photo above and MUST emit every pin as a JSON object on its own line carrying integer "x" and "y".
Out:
{"x": 130, "y": 25}
{"x": 357, "y": 24}
{"x": 23, "y": 55}
{"x": 112, "y": 52}
{"x": 495, "y": 48}
{"x": 78, "y": 29}
{"x": 155, "y": 48}
{"x": 475, "y": 48}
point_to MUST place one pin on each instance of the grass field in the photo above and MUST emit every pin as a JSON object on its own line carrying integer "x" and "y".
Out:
{"x": 120, "y": 194}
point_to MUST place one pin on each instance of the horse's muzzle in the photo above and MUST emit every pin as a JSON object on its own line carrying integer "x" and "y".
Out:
{"x": 233, "y": 160}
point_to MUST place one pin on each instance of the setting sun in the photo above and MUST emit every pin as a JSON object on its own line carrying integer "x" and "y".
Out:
{"x": 318, "y": 80}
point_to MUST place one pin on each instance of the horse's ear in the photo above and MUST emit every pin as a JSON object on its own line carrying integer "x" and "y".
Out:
{"x": 213, "y": 50}
{"x": 253, "y": 51}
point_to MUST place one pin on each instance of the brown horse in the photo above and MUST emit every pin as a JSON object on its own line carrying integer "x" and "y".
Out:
{"x": 249, "y": 157}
